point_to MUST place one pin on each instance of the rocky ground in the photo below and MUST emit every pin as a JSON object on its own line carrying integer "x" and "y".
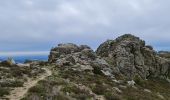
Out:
{"x": 164, "y": 54}
{"x": 14, "y": 75}
{"x": 121, "y": 69}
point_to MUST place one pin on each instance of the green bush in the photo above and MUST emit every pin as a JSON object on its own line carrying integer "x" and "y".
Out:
{"x": 99, "y": 89}
{"x": 83, "y": 97}
{"x": 111, "y": 96}
{"x": 139, "y": 81}
{"x": 97, "y": 70}
{"x": 70, "y": 89}
{"x": 37, "y": 89}
{"x": 15, "y": 83}
{"x": 4, "y": 91}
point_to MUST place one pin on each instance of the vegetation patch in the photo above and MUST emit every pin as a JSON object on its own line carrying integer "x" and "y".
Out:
{"x": 4, "y": 91}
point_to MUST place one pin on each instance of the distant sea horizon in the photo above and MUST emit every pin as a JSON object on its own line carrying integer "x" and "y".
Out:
{"x": 21, "y": 57}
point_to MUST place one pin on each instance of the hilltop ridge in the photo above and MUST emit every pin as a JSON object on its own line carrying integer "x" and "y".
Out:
{"x": 124, "y": 68}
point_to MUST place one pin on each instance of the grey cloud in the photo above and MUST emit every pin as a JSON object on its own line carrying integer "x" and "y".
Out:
{"x": 27, "y": 24}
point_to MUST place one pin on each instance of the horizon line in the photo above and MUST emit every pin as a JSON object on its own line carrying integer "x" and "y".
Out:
{"x": 24, "y": 53}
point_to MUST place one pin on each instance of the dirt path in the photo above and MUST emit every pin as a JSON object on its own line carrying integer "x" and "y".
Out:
{"x": 18, "y": 93}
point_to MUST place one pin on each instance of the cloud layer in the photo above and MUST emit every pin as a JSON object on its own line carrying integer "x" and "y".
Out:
{"x": 37, "y": 25}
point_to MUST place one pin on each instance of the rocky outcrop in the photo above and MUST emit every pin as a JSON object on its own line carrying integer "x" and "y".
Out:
{"x": 132, "y": 57}
{"x": 127, "y": 56}
{"x": 116, "y": 71}
{"x": 79, "y": 58}
{"x": 65, "y": 49}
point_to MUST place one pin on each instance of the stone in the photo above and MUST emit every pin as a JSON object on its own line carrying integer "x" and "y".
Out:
{"x": 62, "y": 49}
{"x": 126, "y": 56}
{"x": 117, "y": 90}
{"x": 131, "y": 57}
{"x": 122, "y": 87}
{"x": 106, "y": 73}
{"x": 23, "y": 65}
{"x": 147, "y": 90}
{"x": 88, "y": 53}
{"x": 131, "y": 83}
{"x": 86, "y": 68}
{"x": 101, "y": 61}
{"x": 168, "y": 80}
{"x": 160, "y": 96}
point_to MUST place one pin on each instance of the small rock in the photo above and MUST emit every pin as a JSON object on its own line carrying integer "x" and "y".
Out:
{"x": 147, "y": 90}
{"x": 116, "y": 81}
{"x": 160, "y": 96}
{"x": 107, "y": 73}
{"x": 117, "y": 89}
{"x": 168, "y": 80}
{"x": 86, "y": 67}
{"x": 134, "y": 87}
{"x": 23, "y": 65}
{"x": 123, "y": 87}
{"x": 131, "y": 83}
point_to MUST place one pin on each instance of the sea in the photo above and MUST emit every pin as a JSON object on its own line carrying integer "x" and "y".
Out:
{"x": 22, "y": 58}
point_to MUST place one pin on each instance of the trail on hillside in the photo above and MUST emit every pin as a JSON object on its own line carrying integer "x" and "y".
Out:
{"x": 18, "y": 93}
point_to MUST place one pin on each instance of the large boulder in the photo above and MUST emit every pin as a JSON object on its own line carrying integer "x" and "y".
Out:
{"x": 62, "y": 49}
{"x": 71, "y": 52}
{"x": 127, "y": 56}
{"x": 132, "y": 57}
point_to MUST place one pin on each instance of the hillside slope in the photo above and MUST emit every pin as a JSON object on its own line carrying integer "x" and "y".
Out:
{"x": 120, "y": 69}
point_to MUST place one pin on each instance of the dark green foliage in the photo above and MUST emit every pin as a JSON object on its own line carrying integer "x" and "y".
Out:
{"x": 139, "y": 81}
{"x": 15, "y": 83}
{"x": 80, "y": 94}
{"x": 112, "y": 96}
{"x": 4, "y": 91}
{"x": 69, "y": 89}
{"x": 97, "y": 69}
{"x": 99, "y": 89}
{"x": 37, "y": 89}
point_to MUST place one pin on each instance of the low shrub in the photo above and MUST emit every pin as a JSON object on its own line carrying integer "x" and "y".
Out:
{"x": 15, "y": 83}
{"x": 139, "y": 81}
{"x": 37, "y": 89}
{"x": 4, "y": 91}
{"x": 111, "y": 96}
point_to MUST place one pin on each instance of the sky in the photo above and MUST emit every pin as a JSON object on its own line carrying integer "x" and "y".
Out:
{"x": 28, "y": 26}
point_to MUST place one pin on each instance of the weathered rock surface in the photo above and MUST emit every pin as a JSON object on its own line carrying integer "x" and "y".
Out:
{"x": 82, "y": 58}
{"x": 132, "y": 57}
{"x": 65, "y": 49}
{"x": 120, "y": 69}
{"x": 127, "y": 56}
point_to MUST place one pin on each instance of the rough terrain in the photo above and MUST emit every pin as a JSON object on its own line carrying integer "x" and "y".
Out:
{"x": 19, "y": 92}
{"x": 121, "y": 69}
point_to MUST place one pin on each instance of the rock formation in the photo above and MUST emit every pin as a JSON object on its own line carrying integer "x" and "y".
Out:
{"x": 127, "y": 55}
{"x": 121, "y": 69}
{"x": 132, "y": 57}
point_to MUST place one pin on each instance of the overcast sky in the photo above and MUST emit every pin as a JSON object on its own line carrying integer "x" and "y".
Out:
{"x": 38, "y": 25}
